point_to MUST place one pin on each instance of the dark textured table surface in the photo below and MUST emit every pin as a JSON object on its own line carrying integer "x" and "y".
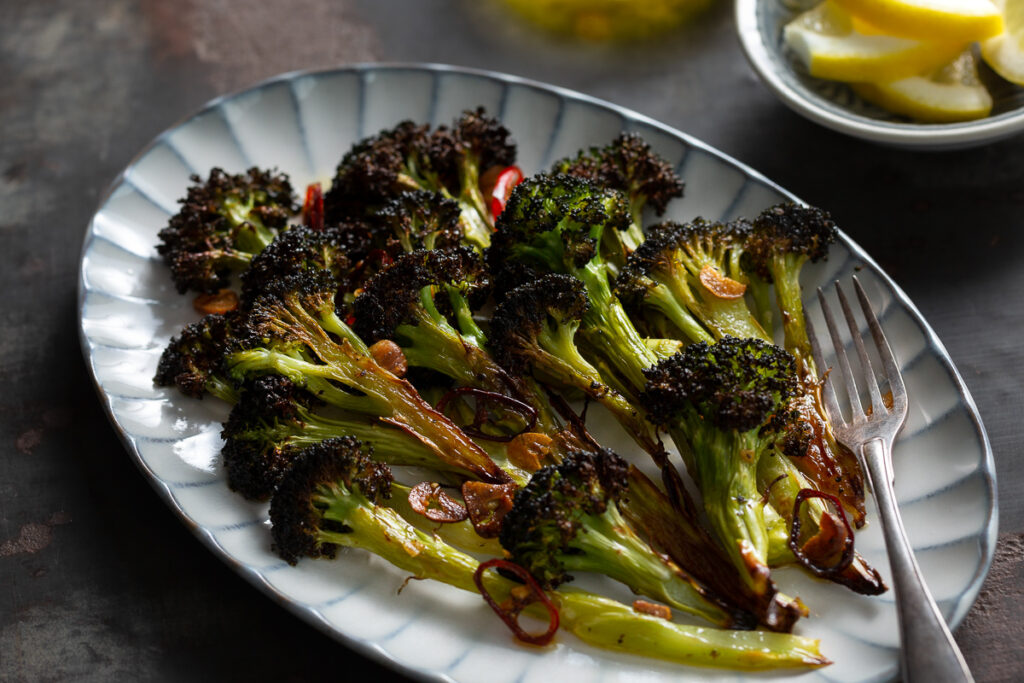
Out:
{"x": 100, "y": 581}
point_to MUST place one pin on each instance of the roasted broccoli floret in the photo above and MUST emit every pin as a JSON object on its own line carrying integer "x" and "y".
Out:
{"x": 533, "y": 331}
{"x": 728, "y": 402}
{"x": 222, "y": 224}
{"x": 336, "y": 249}
{"x": 410, "y": 157}
{"x": 782, "y": 239}
{"x": 194, "y": 360}
{"x": 556, "y": 224}
{"x": 404, "y": 303}
{"x": 334, "y": 496}
{"x": 567, "y": 519}
{"x": 274, "y": 420}
{"x": 627, "y": 164}
{"x": 290, "y": 326}
{"x": 417, "y": 219}
{"x": 691, "y": 275}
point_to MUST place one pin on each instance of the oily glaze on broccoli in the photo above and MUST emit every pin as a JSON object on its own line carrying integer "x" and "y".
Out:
{"x": 567, "y": 519}
{"x": 223, "y": 222}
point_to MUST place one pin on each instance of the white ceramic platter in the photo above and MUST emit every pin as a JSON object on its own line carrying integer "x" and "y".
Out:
{"x": 302, "y": 123}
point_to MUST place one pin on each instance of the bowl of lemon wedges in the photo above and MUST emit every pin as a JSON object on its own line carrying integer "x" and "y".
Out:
{"x": 924, "y": 74}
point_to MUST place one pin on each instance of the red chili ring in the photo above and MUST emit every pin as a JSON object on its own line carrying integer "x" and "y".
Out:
{"x": 794, "y": 535}
{"x": 511, "y": 619}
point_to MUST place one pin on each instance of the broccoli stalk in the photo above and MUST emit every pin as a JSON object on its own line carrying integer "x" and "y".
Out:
{"x": 781, "y": 240}
{"x": 402, "y": 303}
{"x": 533, "y": 331}
{"x": 333, "y": 497}
{"x": 727, "y": 402}
{"x": 222, "y": 224}
{"x": 287, "y": 336}
{"x": 567, "y": 519}
{"x": 556, "y": 224}
{"x": 274, "y": 420}
{"x": 629, "y": 165}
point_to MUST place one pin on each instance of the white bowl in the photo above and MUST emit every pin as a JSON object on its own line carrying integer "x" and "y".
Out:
{"x": 834, "y": 105}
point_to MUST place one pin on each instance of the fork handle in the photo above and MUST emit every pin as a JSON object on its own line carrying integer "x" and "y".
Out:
{"x": 929, "y": 652}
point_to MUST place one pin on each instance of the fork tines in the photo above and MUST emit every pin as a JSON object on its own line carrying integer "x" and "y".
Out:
{"x": 878, "y": 405}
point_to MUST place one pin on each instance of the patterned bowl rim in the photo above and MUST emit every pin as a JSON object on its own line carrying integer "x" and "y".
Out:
{"x": 910, "y": 135}
{"x": 372, "y": 650}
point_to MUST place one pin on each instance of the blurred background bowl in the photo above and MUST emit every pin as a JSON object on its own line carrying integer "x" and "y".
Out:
{"x": 835, "y": 105}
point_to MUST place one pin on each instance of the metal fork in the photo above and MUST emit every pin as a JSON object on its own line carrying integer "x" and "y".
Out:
{"x": 929, "y": 652}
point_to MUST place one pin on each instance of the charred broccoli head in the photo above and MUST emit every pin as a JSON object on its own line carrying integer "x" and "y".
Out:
{"x": 335, "y": 249}
{"x": 417, "y": 219}
{"x": 194, "y": 360}
{"x": 630, "y": 165}
{"x": 318, "y": 502}
{"x": 784, "y": 238}
{"x": 222, "y": 224}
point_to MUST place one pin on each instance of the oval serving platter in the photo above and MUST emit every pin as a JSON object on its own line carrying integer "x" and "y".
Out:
{"x": 302, "y": 123}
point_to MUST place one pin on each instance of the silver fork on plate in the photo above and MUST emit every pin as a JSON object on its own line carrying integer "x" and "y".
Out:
{"x": 929, "y": 652}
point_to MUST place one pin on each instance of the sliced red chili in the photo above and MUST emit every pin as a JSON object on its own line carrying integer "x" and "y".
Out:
{"x": 313, "y": 207}
{"x": 527, "y": 412}
{"x": 509, "y": 610}
{"x": 428, "y": 499}
{"x": 503, "y": 186}
{"x": 794, "y": 536}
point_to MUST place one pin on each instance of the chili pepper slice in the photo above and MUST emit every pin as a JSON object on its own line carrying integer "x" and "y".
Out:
{"x": 524, "y": 410}
{"x": 510, "y": 609}
{"x": 794, "y": 535}
{"x": 313, "y": 207}
{"x": 503, "y": 186}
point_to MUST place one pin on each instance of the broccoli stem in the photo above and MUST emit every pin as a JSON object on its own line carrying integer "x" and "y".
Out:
{"x": 252, "y": 236}
{"x": 608, "y": 329}
{"x": 611, "y": 625}
{"x": 390, "y": 446}
{"x": 726, "y": 473}
{"x": 666, "y": 298}
{"x": 594, "y": 619}
{"x": 785, "y": 270}
{"x": 607, "y": 545}
{"x": 314, "y": 377}
{"x": 464, "y": 318}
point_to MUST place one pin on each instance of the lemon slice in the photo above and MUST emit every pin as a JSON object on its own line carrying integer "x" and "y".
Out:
{"x": 1005, "y": 52}
{"x": 960, "y": 21}
{"x": 828, "y": 42}
{"x": 953, "y": 93}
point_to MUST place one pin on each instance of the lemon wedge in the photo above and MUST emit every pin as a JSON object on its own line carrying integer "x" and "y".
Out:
{"x": 952, "y": 21}
{"x": 1005, "y": 52}
{"x": 953, "y": 93}
{"x": 833, "y": 45}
